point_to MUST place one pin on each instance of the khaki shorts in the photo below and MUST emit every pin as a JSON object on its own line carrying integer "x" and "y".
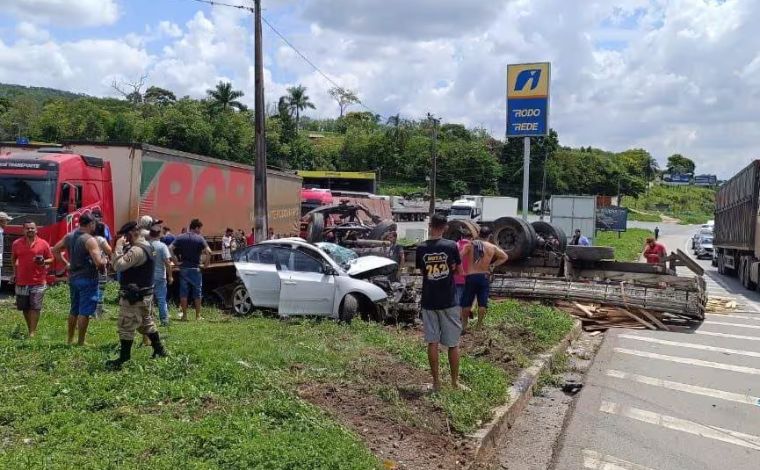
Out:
{"x": 137, "y": 317}
{"x": 442, "y": 326}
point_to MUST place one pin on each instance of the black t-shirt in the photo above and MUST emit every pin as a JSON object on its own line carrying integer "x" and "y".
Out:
{"x": 188, "y": 247}
{"x": 437, "y": 260}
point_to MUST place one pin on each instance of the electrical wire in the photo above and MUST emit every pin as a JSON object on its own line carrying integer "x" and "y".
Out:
{"x": 288, "y": 43}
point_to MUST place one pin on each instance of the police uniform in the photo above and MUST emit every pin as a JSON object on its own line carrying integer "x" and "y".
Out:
{"x": 135, "y": 266}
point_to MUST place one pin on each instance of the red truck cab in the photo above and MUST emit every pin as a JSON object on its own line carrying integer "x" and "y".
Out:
{"x": 53, "y": 188}
{"x": 311, "y": 198}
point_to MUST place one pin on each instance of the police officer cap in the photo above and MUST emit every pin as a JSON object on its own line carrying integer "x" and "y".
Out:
{"x": 128, "y": 227}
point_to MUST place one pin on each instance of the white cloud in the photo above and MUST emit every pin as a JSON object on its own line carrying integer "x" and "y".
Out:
{"x": 74, "y": 13}
{"x": 672, "y": 76}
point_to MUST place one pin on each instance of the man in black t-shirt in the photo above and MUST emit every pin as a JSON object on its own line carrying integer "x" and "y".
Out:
{"x": 439, "y": 261}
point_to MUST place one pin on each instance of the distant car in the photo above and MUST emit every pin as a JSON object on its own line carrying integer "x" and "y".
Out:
{"x": 295, "y": 277}
{"x": 704, "y": 247}
{"x": 704, "y": 230}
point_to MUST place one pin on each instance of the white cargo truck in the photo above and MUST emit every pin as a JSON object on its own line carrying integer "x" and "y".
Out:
{"x": 483, "y": 209}
{"x": 574, "y": 212}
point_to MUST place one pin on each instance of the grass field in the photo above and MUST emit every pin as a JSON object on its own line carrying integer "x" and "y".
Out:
{"x": 228, "y": 396}
{"x": 689, "y": 204}
{"x": 628, "y": 247}
{"x": 643, "y": 216}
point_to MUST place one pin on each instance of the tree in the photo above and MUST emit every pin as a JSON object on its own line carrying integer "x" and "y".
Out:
{"x": 159, "y": 96}
{"x": 298, "y": 101}
{"x": 131, "y": 91}
{"x": 344, "y": 98}
{"x": 677, "y": 163}
{"x": 224, "y": 97}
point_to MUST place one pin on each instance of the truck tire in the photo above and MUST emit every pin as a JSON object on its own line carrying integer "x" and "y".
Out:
{"x": 315, "y": 230}
{"x": 721, "y": 265}
{"x": 348, "y": 308}
{"x": 590, "y": 253}
{"x": 381, "y": 229}
{"x": 515, "y": 236}
{"x": 242, "y": 305}
{"x": 455, "y": 228}
{"x": 744, "y": 273}
{"x": 546, "y": 230}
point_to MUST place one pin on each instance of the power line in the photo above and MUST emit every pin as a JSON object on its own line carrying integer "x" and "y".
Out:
{"x": 288, "y": 43}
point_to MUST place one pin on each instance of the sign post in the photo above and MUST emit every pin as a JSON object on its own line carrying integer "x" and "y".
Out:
{"x": 527, "y": 111}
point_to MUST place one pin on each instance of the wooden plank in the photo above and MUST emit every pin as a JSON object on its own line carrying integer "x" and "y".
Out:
{"x": 583, "y": 309}
{"x": 643, "y": 268}
{"x": 690, "y": 263}
{"x": 640, "y": 320}
{"x": 653, "y": 319}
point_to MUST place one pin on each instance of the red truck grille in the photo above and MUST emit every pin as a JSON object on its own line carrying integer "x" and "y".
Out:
{"x": 8, "y": 240}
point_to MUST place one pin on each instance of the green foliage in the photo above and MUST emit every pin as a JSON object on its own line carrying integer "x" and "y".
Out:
{"x": 643, "y": 216}
{"x": 677, "y": 163}
{"x": 223, "y": 97}
{"x": 628, "y": 247}
{"x": 690, "y": 204}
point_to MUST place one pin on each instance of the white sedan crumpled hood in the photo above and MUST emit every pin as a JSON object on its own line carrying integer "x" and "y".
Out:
{"x": 368, "y": 266}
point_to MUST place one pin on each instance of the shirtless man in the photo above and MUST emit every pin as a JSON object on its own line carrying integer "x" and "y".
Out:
{"x": 479, "y": 256}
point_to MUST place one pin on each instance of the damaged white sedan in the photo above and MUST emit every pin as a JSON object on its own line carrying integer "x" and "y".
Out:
{"x": 295, "y": 277}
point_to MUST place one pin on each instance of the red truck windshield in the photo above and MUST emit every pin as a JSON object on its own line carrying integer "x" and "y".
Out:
{"x": 25, "y": 192}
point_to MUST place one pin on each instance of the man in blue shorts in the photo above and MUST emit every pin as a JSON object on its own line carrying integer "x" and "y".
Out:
{"x": 188, "y": 249}
{"x": 479, "y": 256}
{"x": 439, "y": 261}
{"x": 84, "y": 262}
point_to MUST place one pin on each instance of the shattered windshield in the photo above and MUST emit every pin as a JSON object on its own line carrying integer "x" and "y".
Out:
{"x": 341, "y": 255}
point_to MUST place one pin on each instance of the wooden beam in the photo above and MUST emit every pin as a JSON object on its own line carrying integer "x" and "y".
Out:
{"x": 653, "y": 319}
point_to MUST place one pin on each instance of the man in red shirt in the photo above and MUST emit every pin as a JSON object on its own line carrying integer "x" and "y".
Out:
{"x": 30, "y": 258}
{"x": 251, "y": 239}
{"x": 654, "y": 252}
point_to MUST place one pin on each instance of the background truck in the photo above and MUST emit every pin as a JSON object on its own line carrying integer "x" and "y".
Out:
{"x": 735, "y": 239}
{"x": 483, "y": 209}
{"x": 405, "y": 210}
{"x": 55, "y": 186}
{"x": 575, "y": 212}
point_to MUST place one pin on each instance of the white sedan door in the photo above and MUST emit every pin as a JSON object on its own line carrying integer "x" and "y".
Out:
{"x": 257, "y": 268}
{"x": 305, "y": 288}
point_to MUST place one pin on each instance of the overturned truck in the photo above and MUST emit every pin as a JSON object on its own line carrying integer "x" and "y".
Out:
{"x": 543, "y": 266}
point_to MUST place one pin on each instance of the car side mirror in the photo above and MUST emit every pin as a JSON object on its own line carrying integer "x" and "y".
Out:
{"x": 328, "y": 269}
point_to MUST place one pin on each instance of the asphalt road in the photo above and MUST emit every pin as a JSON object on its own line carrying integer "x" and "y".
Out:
{"x": 658, "y": 400}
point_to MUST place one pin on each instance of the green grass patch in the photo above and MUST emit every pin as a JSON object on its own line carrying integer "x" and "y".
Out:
{"x": 628, "y": 247}
{"x": 226, "y": 397}
{"x": 643, "y": 216}
{"x": 689, "y": 204}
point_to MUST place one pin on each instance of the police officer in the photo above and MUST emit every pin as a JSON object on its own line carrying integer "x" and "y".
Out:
{"x": 135, "y": 293}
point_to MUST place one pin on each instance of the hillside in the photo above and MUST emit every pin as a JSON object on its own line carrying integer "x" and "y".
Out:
{"x": 689, "y": 204}
{"x": 39, "y": 94}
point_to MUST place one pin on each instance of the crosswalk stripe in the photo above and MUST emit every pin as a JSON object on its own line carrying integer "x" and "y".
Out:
{"x": 690, "y": 361}
{"x": 596, "y": 461}
{"x": 740, "y": 325}
{"x": 727, "y": 335}
{"x": 681, "y": 344}
{"x": 731, "y": 316}
{"x": 681, "y": 387}
{"x": 677, "y": 424}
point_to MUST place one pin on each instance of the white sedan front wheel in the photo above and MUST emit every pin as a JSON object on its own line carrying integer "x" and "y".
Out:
{"x": 242, "y": 304}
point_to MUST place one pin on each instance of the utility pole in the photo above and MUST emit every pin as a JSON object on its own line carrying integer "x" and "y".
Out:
{"x": 543, "y": 183}
{"x": 526, "y": 176}
{"x": 260, "y": 169}
{"x": 434, "y": 170}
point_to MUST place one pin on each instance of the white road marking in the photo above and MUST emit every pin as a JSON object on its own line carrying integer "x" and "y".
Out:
{"x": 681, "y": 387}
{"x": 731, "y": 315}
{"x": 724, "y": 323}
{"x": 677, "y": 424}
{"x": 596, "y": 461}
{"x": 727, "y": 335}
{"x": 690, "y": 361}
{"x": 702, "y": 347}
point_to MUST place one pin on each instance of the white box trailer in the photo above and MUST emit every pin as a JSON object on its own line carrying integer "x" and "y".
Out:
{"x": 575, "y": 212}
{"x": 483, "y": 209}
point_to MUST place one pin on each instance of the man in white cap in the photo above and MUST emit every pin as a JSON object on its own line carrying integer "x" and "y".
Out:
{"x": 4, "y": 219}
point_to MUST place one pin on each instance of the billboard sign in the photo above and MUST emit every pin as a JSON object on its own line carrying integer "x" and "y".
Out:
{"x": 528, "y": 99}
{"x": 612, "y": 218}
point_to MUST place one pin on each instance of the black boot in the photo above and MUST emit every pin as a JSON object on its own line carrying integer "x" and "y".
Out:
{"x": 125, "y": 354}
{"x": 158, "y": 348}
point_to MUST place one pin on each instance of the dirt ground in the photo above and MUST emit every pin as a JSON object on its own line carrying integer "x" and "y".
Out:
{"x": 402, "y": 428}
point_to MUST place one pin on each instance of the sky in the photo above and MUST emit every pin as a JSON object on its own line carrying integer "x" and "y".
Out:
{"x": 670, "y": 76}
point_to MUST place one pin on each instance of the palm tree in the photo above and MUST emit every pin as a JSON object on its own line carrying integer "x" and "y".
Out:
{"x": 298, "y": 101}
{"x": 224, "y": 97}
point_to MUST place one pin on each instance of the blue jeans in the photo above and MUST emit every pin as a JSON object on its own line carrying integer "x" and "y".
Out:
{"x": 84, "y": 296}
{"x": 190, "y": 283}
{"x": 160, "y": 290}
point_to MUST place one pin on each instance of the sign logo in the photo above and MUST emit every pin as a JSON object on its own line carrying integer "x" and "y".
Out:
{"x": 529, "y": 75}
{"x": 528, "y": 99}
